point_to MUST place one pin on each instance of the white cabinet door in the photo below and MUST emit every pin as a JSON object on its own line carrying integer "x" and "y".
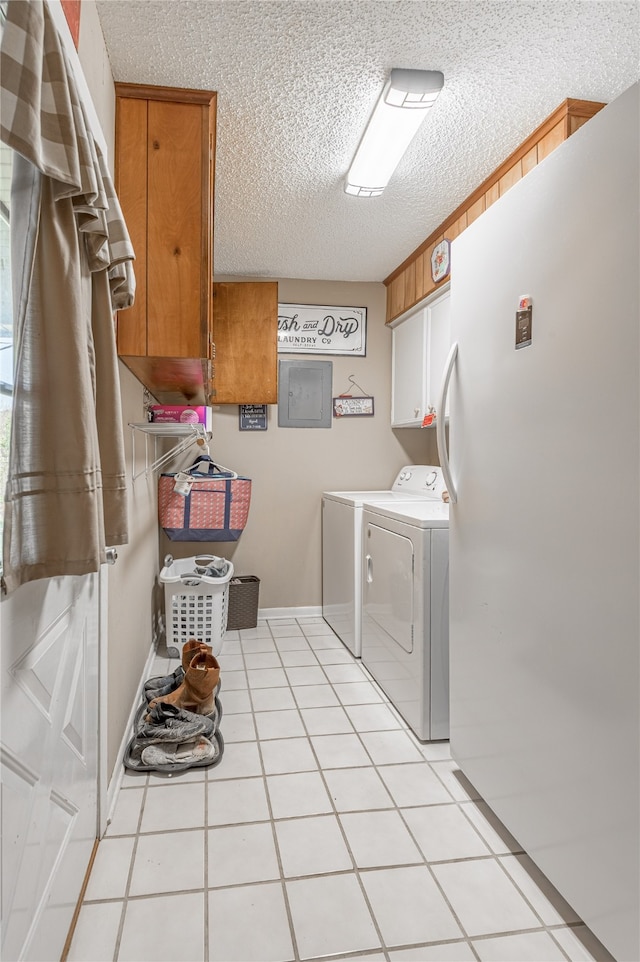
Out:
{"x": 409, "y": 371}
{"x": 421, "y": 343}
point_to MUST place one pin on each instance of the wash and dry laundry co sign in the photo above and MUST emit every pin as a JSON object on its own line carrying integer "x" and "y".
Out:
{"x": 313, "y": 329}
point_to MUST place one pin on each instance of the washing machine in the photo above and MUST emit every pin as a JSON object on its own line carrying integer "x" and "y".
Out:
{"x": 342, "y": 545}
{"x": 405, "y": 609}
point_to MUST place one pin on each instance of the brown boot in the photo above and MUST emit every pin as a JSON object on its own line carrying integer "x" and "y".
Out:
{"x": 156, "y": 688}
{"x": 191, "y": 648}
{"x": 196, "y": 693}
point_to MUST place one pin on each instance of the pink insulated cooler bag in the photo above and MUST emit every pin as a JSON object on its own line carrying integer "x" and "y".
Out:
{"x": 198, "y": 506}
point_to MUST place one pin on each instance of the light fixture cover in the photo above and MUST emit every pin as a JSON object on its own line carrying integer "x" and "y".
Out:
{"x": 403, "y": 105}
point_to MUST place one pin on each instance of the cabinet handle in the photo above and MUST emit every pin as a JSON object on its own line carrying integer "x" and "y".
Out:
{"x": 369, "y": 569}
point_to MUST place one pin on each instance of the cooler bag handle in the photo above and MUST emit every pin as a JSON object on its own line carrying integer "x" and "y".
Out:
{"x": 203, "y": 461}
{"x": 184, "y": 480}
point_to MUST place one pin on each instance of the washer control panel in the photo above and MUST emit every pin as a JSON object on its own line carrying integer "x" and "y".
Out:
{"x": 420, "y": 479}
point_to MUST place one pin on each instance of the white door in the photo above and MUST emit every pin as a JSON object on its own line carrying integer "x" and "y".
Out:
{"x": 49, "y": 651}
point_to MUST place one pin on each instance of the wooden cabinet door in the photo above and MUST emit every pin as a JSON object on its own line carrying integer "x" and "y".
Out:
{"x": 245, "y": 334}
{"x": 165, "y": 161}
{"x": 176, "y": 283}
{"x": 131, "y": 187}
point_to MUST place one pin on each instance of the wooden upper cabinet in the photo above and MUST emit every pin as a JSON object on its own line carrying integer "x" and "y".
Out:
{"x": 164, "y": 165}
{"x": 179, "y": 269}
{"x": 412, "y": 281}
{"x": 245, "y": 336}
{"x": 131, "y": 187}
{"x": 180, "y": 344}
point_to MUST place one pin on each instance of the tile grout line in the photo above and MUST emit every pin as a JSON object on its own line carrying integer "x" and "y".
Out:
{"x": 354, "y": 867}
{"x": 134, "y": 851}
{"x": 394, "y": 807}
{"x": 206, "y": 943}
{"x": 397, "y": 809}
{"x": 491, "y": 854}
{"x": 528, "y": 902}
{"x": 283, "y": 887}
{"x": 426, "y": 862}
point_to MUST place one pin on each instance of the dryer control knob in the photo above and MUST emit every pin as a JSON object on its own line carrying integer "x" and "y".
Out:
{"x": 432, "y": 477}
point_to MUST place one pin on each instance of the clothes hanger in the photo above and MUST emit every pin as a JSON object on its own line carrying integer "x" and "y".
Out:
{"x": 354, "y": 383}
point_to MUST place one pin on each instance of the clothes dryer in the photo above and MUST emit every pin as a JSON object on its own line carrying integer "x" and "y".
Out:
{"x": 342, "y": 545}
{"x": 405, "y": 610}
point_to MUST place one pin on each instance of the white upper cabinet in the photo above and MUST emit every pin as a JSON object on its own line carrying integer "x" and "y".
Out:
{"x": 409, "y": 371}
{"x": 420, "y": 344}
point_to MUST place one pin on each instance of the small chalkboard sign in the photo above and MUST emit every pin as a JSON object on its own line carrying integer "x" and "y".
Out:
{"x": 253, "y": 417}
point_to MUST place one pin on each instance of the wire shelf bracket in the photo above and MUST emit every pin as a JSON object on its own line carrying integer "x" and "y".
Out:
{"x": 187, "y": 434}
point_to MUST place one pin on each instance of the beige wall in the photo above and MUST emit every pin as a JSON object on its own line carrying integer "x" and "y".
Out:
{"x": 291, "y": 467}
{"x": 131, "y": 580}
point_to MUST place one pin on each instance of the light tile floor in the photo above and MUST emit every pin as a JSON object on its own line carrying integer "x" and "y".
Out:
{"x": 327, "y": 831}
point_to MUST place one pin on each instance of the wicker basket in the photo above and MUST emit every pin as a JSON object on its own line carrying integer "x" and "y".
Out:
{"x": 243, "y": 602}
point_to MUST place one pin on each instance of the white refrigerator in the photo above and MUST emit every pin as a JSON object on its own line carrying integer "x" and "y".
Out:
{"x": 543, "y": 464}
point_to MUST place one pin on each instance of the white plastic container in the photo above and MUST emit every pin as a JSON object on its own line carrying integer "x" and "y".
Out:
{"x": 196, "y": 602}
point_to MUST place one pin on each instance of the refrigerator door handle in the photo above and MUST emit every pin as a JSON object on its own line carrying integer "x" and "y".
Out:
{"x": 440, "y": 436}
{"x": 369, "y": 569}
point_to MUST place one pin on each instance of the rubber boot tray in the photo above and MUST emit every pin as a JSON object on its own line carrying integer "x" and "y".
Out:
{"x": 171, "y": 740}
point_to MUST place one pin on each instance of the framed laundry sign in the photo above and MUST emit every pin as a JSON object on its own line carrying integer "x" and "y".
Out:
{"x": 352, "y": 407}
{"x": 321, "y": 329}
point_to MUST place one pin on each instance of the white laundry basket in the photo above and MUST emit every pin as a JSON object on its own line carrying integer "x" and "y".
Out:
{"x": 196, "y": 603}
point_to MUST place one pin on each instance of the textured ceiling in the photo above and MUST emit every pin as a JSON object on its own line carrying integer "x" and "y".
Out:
{"x": 296, "y": 82}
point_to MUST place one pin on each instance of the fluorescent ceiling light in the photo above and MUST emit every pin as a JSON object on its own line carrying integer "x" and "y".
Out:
{"x": 403, "y": 105}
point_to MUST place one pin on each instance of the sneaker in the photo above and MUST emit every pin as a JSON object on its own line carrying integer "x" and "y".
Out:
{"x": 198, "y": 751}
{"x": 167, "y": 682}
{"x": 166, "y": 723}
{"x": 170, "y": 759}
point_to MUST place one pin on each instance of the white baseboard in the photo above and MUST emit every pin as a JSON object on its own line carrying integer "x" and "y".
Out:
{"x": 118, "y": 772}
{"x": 313, "y": 611}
